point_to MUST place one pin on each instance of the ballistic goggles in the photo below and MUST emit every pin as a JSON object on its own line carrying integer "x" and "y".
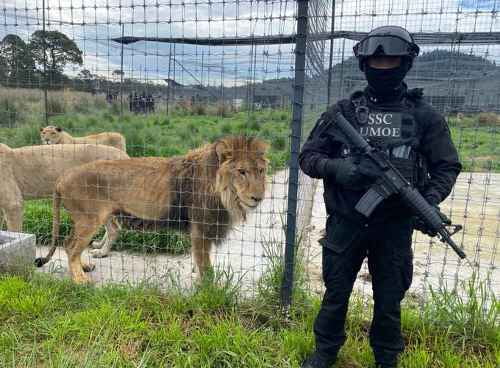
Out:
{"x": 388, "y": 45}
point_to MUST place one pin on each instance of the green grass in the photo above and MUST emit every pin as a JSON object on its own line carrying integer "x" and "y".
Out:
{"x": 146, "y": 135}
{"x": 54, "y": 323}
{"x": 49, "y": 322}
{"x": 162, "y": 135}
{"x": 38, "y": 221}
{"x": 157, "y": 134}
{"x": 478, "y": 147}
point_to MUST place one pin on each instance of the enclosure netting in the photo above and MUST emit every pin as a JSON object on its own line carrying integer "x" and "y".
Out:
{"x": 214, "y": 76}
{"x": 457, "y": 68}
{"x": 173, "y": 75}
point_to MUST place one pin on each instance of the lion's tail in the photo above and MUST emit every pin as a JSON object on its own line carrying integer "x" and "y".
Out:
{"x": 56, "y": 220}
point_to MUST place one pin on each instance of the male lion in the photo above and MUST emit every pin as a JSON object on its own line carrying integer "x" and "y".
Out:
{"x": 31, "y": 173}
{"x": 56, "y": 135}
{"x": 204, "y": 193}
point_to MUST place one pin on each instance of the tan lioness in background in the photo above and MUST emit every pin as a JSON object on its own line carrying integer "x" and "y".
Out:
{"x": 31, "y": 172}
{"x": 56, "y": 135}
{"x": 204, "y": 193}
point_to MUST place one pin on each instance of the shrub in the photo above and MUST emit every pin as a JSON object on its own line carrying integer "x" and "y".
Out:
{"x": 226, "y": 128}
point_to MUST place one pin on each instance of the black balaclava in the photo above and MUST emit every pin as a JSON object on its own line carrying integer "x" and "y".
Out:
{"x": 386, "y": 83}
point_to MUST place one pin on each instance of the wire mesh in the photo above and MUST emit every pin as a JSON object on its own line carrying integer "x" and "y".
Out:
{"x": 171, "y": 76}
{"x": 457, "y": 68}
{"x": 165, "y": 98}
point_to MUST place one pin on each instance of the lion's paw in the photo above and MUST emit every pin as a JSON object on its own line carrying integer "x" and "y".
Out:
{"x": 88, "y": 267}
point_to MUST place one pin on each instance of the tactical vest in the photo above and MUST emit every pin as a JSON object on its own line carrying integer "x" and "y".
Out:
{"x": 393, "y": 130}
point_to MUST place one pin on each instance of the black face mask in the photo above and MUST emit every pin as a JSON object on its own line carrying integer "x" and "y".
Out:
{"x": 385, "y": 81}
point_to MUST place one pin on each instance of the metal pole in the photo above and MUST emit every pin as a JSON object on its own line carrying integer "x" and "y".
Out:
{"x": 169, "y": 79}
{"x": 201, "y": 78}
{"x": 45, "y": 97}
{"x": 121, "y": 75}
{"x": 293, "y": 182}
{"x": 222, "y": 85}
{"x": 254, "y": 87}
{"x": 329, "y": 91}
{"x": 174, "y": 80}
{"x": 341, "y": 82}
{"x": 249, "y": 81}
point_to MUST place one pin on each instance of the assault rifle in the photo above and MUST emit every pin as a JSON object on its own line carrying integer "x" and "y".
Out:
{"x": 392, "y": 182}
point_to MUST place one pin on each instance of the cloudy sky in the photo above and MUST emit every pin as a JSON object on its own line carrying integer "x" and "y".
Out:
{"x": 92, "y": 24}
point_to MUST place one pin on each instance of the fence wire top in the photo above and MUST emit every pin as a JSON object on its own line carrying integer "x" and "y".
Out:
{"x": 423, "y": 38}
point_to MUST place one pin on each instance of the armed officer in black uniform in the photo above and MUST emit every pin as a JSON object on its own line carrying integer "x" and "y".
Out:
{"x": 417, "y": 141}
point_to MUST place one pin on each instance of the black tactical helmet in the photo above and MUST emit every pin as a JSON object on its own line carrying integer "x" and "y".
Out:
{"x": 386, "y": 40}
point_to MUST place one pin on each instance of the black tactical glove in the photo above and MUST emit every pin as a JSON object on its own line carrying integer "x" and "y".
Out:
{"x": 352, "y": 172}
{"x": 419, "y": 225}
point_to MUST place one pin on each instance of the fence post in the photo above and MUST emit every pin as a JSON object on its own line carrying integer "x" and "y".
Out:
{"x": 293, "y": 179}
{"x": 121, "y": 72}
{"x": 44, "y": 49}
{"x": 330, "y": 64}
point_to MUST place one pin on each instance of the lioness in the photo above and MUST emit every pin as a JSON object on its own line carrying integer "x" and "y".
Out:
{"x": 56, "y": 135}
{"x": 204, "y": 193}
{"x": 31, "y": 173}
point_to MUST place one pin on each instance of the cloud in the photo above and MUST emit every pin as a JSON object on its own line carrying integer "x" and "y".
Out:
{"x": 92, "y": 24}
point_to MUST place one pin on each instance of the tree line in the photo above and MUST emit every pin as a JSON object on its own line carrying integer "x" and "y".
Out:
{"x": 39, "y": 61}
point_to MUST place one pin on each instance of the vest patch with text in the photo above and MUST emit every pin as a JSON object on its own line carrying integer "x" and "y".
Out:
{"x": 382, "y": 124}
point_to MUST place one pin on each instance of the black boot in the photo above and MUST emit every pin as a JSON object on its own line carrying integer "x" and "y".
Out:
{"x": 380, "y": 365}
{"x": 317, "y": 361}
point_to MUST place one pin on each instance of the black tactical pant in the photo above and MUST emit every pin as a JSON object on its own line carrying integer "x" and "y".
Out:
{"x": 388, "y": 247}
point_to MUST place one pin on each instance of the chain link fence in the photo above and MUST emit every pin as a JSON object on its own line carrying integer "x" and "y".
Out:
{"x": 457, "y": 68}
{"x": 171, "y": 76}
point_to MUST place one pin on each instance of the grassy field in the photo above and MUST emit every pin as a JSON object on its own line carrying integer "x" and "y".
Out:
{"x": 158, "y": 134}
{"x": 184, "y": 128}
{"x": 54, "y": 323}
